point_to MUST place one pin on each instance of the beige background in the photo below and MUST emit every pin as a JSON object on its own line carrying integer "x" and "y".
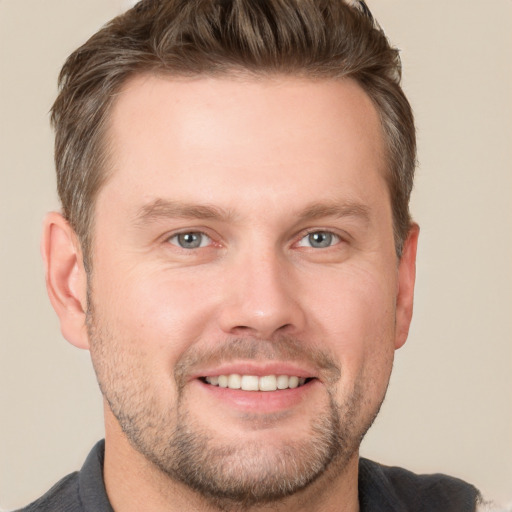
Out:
{"x": 449, "y": 407}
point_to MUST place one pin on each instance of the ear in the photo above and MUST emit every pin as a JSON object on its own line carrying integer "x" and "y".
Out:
{"x": 66, "y": 280}
{"x": 405, "y": 285}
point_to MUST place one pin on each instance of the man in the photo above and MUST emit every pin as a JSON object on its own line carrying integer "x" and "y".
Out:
{"x": 236, "y": 252}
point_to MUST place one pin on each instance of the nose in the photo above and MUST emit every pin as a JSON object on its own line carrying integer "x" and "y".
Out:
{"x": 261, "y": 297}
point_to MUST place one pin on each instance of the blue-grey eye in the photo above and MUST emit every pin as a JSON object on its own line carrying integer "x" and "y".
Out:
{"x": 319, "y": 240}
{"x": 190, "y": 240}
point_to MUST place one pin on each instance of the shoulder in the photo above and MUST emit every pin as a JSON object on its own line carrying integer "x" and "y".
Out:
{"x": 82, "y": 491}
{"x": 62, "y": 497}
{"x": 403, "y": 490}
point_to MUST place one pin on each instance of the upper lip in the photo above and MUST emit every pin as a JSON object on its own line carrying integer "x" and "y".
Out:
{"x": 258, "y": 369}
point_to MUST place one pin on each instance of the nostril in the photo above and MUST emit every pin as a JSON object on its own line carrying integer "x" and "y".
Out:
{"x": 242, "y": 329}
{"x": 261, "y": 316}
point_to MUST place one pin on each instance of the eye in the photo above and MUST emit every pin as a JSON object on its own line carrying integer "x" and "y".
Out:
{"x": 319, "y": 240}
{"x": 190, "y": 240}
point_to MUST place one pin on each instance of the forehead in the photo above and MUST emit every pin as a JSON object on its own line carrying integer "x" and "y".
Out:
{"x": 204, "y": 136}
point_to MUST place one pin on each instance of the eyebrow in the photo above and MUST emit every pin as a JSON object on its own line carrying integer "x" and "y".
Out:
{"x": 336, "y": 209}
{"x": 164, "y": 209}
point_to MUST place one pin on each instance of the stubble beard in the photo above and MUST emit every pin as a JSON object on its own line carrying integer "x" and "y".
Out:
{"x": 242, "y": 475}
{"x": 228, "y": 476}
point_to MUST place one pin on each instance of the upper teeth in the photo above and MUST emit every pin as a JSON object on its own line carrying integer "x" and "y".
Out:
{"x": 254, "y": 383}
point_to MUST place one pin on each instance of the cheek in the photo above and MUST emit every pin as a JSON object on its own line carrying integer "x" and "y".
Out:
{"x": 354, "y": 312}
{"x": 157, "y": 309}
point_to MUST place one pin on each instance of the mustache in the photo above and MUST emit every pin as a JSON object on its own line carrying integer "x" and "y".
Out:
{"x": 283, "y": 348}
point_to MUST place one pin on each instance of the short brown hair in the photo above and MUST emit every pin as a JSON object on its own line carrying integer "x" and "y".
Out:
{"x": 308, "y": 38}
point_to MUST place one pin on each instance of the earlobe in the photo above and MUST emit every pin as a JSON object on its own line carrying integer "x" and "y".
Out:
{"x": 406, "y": 281}
{"x": 66, "y": 280}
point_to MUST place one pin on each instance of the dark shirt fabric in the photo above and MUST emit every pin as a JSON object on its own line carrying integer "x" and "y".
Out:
{"x": 81, "y": 491}
{"x": 381, "y": 489}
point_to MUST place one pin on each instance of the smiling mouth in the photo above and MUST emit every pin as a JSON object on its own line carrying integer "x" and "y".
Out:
{"x": 255, "y": 383}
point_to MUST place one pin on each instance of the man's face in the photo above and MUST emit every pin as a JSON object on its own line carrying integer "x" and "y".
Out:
{"x": 244, "y": 238}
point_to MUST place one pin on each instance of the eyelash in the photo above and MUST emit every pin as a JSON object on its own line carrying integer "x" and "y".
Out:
{"x": 331, "y": 234}
{"x": 337, "y": 239}
{"x": 184, "y": 233}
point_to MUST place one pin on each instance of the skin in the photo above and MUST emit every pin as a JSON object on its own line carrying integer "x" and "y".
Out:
{"x": 273, "y": 160}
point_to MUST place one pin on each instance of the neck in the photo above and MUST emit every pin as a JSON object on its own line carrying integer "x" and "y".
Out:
{"x": 133, "y": 483}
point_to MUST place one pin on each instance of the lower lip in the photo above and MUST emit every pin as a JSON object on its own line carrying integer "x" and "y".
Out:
{"x": 259, "y": 401}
